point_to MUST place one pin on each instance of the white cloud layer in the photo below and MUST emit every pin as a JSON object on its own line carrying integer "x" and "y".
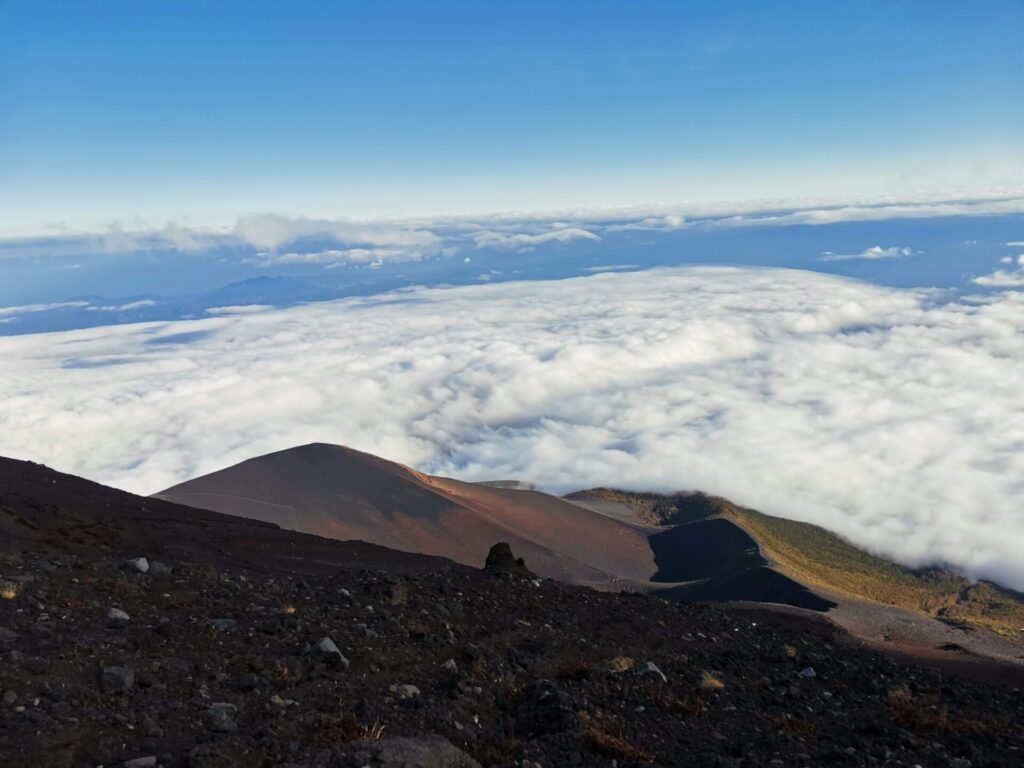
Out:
{"x": 883, "y": 414}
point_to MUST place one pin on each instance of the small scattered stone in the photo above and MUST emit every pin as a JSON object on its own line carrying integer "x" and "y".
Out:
{"x": 148, "y": 727}
{"x": 137, "y": 565}
{"x": 117, "y": 679}
{"x": 251, "y": 682}
{"x": 221, "y": 717}
{"x": 405, "y": 692}
{"x": 450, "y": 666}
{"x": 808, "y": 672}
{"x": 117, "y": 618}
{"x": 141, "y": 762}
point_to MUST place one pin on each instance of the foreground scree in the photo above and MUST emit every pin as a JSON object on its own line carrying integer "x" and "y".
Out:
{"x": 185, "y": 665}
{"x": 145, "y": 638}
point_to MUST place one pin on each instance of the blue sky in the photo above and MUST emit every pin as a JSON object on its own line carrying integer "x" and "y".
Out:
{"x": 201, "y": 112}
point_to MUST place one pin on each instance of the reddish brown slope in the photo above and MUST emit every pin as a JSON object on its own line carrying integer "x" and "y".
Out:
{"x": 345, "y": 494}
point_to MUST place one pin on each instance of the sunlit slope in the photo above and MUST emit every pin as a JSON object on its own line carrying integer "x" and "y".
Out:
{"x": 340, "y": 493}
{"x": 820, "y": 559}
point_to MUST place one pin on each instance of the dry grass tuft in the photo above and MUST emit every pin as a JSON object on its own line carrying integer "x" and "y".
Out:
{"x": 344, "y": 727}
{"x": 688, "y": 707}
{"x": 620, "y": 664}
{"x": 924, "y": 714}
{"x": 574, "y": 671}
{"x": 9, "y": 590}
{"x": 711, "y": 682}
{"x": 615, "y": 746}
{"x": 792, "y": 725}
{"x": 499, "y": 751}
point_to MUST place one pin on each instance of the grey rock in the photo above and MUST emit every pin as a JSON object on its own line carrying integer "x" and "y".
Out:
{"x": 251, "y": 682}
{"x": 405, "y": 691}
{"x": 117, "y": 679}
{"x": 808, "y": 672}
{"x": 224, "y": 625}
{"x": 117, "y": 618}
{"x": 450, "y": 666}
{"x": 366, "y": 631}
{"x": 424, "y": 752}
{"x": 136, "y": 565}
{"x": 141, "y": 762}
{"x": 148, "y": 727}
{"x": 221, "y": 717}
{"x": 329, "y": 651}
{"x": 651, "y": 669}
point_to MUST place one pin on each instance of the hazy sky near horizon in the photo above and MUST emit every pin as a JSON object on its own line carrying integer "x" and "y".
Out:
{"x": 202, "y": 112}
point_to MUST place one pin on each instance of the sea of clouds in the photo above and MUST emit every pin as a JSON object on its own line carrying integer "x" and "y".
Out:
{"x": 890, "y": 416}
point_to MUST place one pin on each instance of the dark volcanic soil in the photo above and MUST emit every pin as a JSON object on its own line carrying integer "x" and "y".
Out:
{"x": 220, "y": 662}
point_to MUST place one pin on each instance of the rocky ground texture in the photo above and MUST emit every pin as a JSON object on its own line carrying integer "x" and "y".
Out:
{"x": 169, "y": 662}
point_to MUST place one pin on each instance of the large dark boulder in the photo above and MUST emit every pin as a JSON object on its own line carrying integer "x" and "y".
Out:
{"x": 501, "y": 560}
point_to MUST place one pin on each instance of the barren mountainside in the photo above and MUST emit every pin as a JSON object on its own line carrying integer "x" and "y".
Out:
{"x": 137, "y": 633}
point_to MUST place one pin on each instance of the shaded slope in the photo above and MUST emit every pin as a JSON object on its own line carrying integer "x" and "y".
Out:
{"x": 722, "y": 562}
{"x": 345, "y": 494}
{"x": 759, "y": 584}
{"x": 703, "y": 550}
{"x": 817, "y": 558}
{"x": 45, "y": 511}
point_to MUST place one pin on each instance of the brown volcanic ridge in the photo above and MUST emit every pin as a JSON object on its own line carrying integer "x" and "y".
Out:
{"x": 688, "y": 547}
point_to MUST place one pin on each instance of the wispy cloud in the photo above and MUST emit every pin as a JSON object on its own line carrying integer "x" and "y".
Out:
{"x": 612, "y": 268}
{"x": 334, "y": 258}
{"x": 126, "y": 307}
{"x": 1004, "y": 278}
{"x": 883, "y": 414}
{"x": 243, "y": 309}
{"x": 271, "y": 232}
{"x": 524, "y": 241}
{"x": 27, "y": 308}
{"x": 873, "y": 253}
